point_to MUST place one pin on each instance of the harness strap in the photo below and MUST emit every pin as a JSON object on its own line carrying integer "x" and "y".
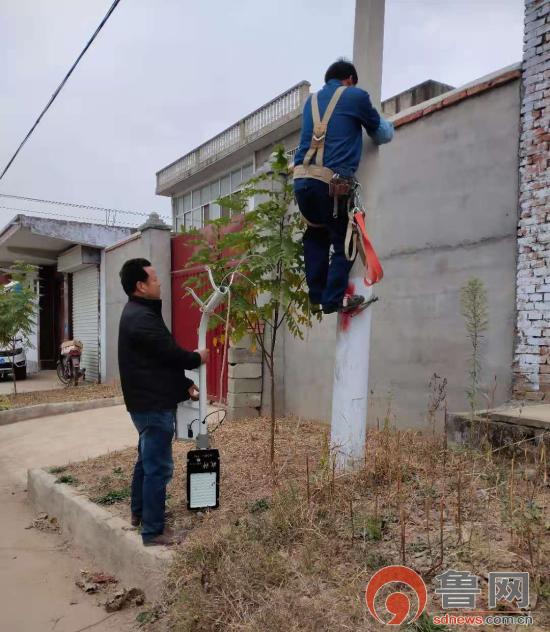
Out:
{"x": 357, "y": 234}
{"x": 313, "y": 171}
{"x": 317, "y": 145}
{"x": 350, "y": 244}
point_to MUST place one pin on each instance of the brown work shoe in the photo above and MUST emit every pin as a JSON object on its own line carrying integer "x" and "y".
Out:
{"x": 168, "y": 538}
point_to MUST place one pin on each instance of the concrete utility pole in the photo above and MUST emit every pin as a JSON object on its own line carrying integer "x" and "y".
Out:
{"x": 351, "y": 370}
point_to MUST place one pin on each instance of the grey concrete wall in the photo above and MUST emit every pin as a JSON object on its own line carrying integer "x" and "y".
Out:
{"x": 154, "y": 245}
{"x": 448, "y": 211}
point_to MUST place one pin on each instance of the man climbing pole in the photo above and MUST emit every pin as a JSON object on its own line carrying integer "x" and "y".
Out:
{"x": 324, "y": 168}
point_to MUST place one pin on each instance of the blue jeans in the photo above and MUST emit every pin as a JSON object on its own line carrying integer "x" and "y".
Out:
{"x": 153, "y": 470}
{"x": 326, "y": 276}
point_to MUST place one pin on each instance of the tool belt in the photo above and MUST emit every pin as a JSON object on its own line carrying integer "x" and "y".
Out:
{"x": 340, "y": 186}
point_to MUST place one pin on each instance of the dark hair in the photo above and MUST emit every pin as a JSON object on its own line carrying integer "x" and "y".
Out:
{"x": 132, "y": 272}
{"x": 341, "y": 69}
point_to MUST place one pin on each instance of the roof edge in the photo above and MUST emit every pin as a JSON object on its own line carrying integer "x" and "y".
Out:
{"x": 483, "y": 84}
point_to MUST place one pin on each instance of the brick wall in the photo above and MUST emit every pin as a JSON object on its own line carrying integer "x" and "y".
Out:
{"x": 532, "y": 357}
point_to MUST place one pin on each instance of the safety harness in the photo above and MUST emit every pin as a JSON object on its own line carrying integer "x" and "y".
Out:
{"x": 357, "y": 238}
{"x": 317, "y": 145}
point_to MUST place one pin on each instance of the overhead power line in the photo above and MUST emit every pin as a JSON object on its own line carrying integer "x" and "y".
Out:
{"x": 63, "y": 215}
{"x": 60, "y": 86}
{"x": 75, "y": 205}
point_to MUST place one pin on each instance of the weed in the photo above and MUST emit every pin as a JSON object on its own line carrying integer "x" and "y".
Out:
{"x": 113, "y": 496}
{"x": 57, "y": 469}
{"x": 425, "y": 624}
{"x": 68, "y": 479}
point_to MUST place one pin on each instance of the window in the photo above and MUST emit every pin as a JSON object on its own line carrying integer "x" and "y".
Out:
{"x": 225, "y": 186}
{"x": 215, "y": 190}
{"x": 247, "y": 173}
{"x": 197, "y": 218}
{"x": 236, "y": 179}
{"x": 199, "y": 207}
{"x": 215, "y": 211}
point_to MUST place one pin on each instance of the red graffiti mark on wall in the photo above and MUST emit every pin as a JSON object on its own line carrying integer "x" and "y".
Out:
{"x": 345, "y": 319}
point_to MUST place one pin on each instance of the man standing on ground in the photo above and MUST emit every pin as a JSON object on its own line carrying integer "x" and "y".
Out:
{"x": 152, "y": 374}
{"x": 331, "y": 145}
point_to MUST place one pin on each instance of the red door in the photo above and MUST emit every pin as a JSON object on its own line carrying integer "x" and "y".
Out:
{"x": 186, "y": 317}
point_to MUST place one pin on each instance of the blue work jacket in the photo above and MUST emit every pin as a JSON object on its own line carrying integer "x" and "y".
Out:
{"x": 344, "y": 142}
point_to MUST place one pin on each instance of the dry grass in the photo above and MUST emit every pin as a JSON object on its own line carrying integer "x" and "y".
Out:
{"x": 291, "y": 553}
{"x": 65, "y": 394}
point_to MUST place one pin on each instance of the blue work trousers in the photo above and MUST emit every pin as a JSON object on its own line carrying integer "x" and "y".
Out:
{"x": 327, "y": 276}
{"x": 153, "y": 469}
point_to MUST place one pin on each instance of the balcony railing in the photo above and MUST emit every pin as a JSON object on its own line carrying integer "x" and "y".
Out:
{"x": 261, "y": 121}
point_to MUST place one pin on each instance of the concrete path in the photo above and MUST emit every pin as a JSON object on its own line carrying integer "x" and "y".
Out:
{"x": 38, "y": 569}
{"x": 537, "y": 415}
{"x": 41, "y": 381}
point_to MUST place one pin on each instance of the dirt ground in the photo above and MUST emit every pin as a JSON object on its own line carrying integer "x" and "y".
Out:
{"x": 38, "y": 565}
{"x": 64, "y": 394}
{"x": 291, "y": 548}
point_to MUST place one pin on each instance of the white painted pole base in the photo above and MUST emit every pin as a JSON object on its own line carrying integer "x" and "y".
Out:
{"x": 350, "y": 386}
{"x": 351, "y": 371}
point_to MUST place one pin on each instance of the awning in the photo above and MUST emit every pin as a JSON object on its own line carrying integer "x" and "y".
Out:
{"x": 39, "y": 241}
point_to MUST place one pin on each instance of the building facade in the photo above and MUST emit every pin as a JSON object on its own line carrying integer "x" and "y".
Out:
{"x": 70, "y": 294}
{"x": 454, "y": 183}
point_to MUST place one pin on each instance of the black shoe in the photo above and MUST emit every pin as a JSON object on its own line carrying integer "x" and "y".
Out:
{"x": 315, "y": 308}
{"x": 349, "y": 304}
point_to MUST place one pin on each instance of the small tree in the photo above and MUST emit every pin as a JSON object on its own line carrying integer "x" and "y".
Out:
{"x": 17, "y": 311}
{"x": 473, "y": 299}
{"x": 267, "y": 243}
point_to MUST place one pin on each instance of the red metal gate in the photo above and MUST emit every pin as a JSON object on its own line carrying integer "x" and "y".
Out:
{"x": 186, "y": 318}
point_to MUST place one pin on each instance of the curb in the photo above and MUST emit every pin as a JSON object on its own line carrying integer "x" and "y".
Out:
{"x": 101, "y": 535}
{"x": 57, "y": 408}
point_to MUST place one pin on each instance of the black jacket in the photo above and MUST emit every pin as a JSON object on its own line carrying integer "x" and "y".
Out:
{"x": 152, "y": 366}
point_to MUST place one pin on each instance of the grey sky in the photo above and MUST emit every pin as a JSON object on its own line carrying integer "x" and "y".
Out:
{"x": 164, "y": 76}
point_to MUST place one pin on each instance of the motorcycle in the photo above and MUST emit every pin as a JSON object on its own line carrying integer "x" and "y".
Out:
{"x": 68, "y": 366}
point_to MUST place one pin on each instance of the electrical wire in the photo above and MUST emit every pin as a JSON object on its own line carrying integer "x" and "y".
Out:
{"x": 26, "y": 210}
{"x": 60, "y": 86}
{"x": 197, "y": 421}
{"x": 214, "y": 412}
{"x": 75, "y": 205}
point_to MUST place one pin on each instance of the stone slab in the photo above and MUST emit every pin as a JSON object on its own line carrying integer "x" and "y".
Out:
{"x": 248, "y": 371}
{"x": 244, "y": 385}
